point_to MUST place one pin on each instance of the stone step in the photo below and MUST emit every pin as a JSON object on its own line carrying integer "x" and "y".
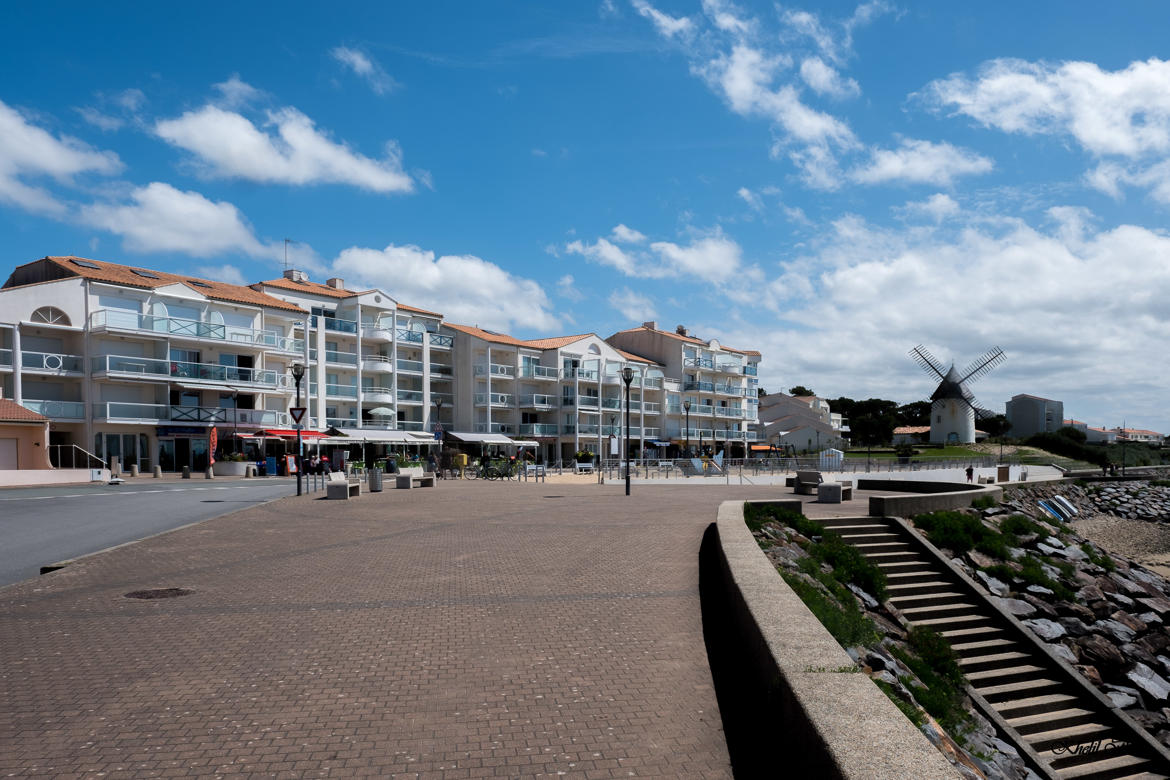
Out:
{"x": 982, "y": 647}
{"x": 905, "y": 556}
{"x": 915, "y": 584}
{"x": 972, "y": 633}
{"x": 1006, "y": 675}
{"x": 1036, "y": 705}
{"x": 1069, "y": 737}
{"x": 1037, "y": 686}
{"x": 863, "y": 535}
{"x": 967, "y": 622}
{"x": 869, "y": 549}
{"x": 1050, "y": 721}
{"x": 945, "y": 609}
{"x": 978, "y": 663}
{"x": 901, "y": 571}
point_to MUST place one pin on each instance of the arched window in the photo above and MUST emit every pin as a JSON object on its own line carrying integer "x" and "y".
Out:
{"x": 50, "y": 315}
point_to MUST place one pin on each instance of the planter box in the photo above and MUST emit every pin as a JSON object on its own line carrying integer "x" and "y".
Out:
{"x": 229, "y": 468}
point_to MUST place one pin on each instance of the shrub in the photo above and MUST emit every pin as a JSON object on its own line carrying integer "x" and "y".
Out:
{"x": 931, "y": 658}
{"x": 1101, "y": 559}
{"x": 843, "y": 619}
{"x": 849, "y": 565}
{"x": 982, "y": 502}
{"x": 959, "y": 532}
{"x": 1062, "y": 445}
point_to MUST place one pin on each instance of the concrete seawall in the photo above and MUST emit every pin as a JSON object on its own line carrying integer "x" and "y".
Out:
{"x": 927, "y": 496}
{"x": 794, "y": 685}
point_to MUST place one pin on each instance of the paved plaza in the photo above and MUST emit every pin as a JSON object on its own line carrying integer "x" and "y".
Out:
{"x": 471, "y": 630}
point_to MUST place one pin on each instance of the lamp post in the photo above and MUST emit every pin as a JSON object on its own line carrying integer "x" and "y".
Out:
{"x": 687, "y": 408}
{"x": 298, "y": 372}
{"x": 627, "y": 377}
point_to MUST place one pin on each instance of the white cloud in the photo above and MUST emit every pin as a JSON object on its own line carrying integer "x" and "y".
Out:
{"x": 567, "y": 288}
{"x": 29, "y": 151}
{"x": 920, "y": 162}
{"x": 236, "y": 93}
{"x": 625, "y": 235}
{"x": 223, "y": 273}
{"x": 826, "y": 80}
{"x": 366, "y": 67}
{"x": 99, "y": 120}
{"x": 667, "y": 26}
{"x": 160, "y": 218}
{"x": 937, "y": 207}
{"x": 632, "y": 305}
{"x": 752, "y": 199}
{"x": 227, "y": 144}
{"x": 604, "y": 252}
{"x": 714, "y": 258}
{"x": 1123, "y": 112}
{"x": 465, "y": 288}
{"x": 539, "y": 153}
{"x": 725, "y": 16}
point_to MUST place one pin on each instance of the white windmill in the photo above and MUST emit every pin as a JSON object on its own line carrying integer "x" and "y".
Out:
{"x": 953, "y": 411}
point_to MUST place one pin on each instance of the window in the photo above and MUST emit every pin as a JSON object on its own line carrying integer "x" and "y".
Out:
{"x": 146, "y": 274}
{"x": 197, "y": 283}
{"x": 50, "y": 315}
{"x": 83, "y": 263}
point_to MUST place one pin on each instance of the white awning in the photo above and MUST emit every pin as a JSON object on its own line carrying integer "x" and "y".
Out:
{"x": 482, "y": 438}
{"x": 356, "y": 436}
{"x": 520, "y": 443}
{"x": 423, "y": 438}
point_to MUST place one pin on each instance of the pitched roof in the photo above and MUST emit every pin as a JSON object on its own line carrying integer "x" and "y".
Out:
{"x": 315, "y": 288}
{"x": 404, "y": 307}
{"x": 11, "y": 411}
{"x": 635, "y": 358}
{"x": 557, "y": 341}
{"x": 487, "y": 335}
{"x": 688, "y": 339}
{"x": 124, "y": 275}
{"x": 909, "y": 429}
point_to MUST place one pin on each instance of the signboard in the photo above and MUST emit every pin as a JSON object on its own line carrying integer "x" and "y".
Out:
{"x": 297, "y": 413}
{"x": 290, "y": 462}
{"x": 439, "y": 435}
{"x": 613, "y": 445}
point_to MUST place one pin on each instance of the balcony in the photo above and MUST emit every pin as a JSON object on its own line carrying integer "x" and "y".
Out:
{"x": 497, "y": 399}
{"x": 439, "y": 341}
{"x": 750, "y": 370}
{"x": 587, "y": 402}
{"x": 410, "y": 336}
{"x": 699, "y": 362}
{"x": 377, "y": 364}
{"x": 704, "y": 410}
{"x": 409, "y": 366}
{"x": 729, "y": 368}
{"x": 334, "y": 324}
{"x": 581, "y": 373}
{"x": 533, "y": 371}
{"x": 497, "y": 370}
{"x": 410, "y": 397}
{"x": 728, "y": 389}
{"x": 441, "y": 371}
{"x": 263, "y": 417}
{"x": 49, "y": 361}
{"x": 494, "y": 428}
{"x": 652, "y": 383}
{"x": 410, "y": 425}
{"x": 57, "y": 410}
{"x": 538, "y": 401}
{"x": 587, "y": 429}
{"x": 151, "y": 413}
{"x": 377, "y": 393}
{"x": 702, "y": 387}
{"x": 125, "y": 366}
{"x": 116, "y": 319}
{"x": 336, "y": 356}
{"x": 377, "y": 331}
{"x": 5, "y": 357}
{"x": 335, "y": 390}
{"x": 611, "y": 403}
{"x": 539, "y": 429}
{"x": 652, "y": 407}
{"x": 729, "y": 411}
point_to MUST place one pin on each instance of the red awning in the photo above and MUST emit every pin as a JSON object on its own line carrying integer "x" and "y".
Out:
{"x": 291, "y": 433}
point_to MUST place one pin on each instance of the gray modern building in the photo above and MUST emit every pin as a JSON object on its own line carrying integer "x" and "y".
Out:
{"x": 1030, "y": 414}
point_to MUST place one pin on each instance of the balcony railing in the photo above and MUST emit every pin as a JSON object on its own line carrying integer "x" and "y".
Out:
{"x": 497, "y": 369}
{"x": 611, "y": 403}
{"x": 441, "y": 341}
{"x": 581, "y": 373}
{"x": 652, "y": 407}
{"x": 533, "y": 371}
{"x": 49, "y": 361}
{"x": 373, "y": 391}
{"x": 128, "y": 411}
{"x": 138, "y": 366}
{"x": 184, "y": 328}
{"x": 728, "y": 411}
{"x": 729, "y": 368}
{"x": 410, "y": 366}
{"x": 497, "y": 399}
{"x": 410, "y": 336}
{"x": 410, "y": 425}
{"x": 228, "y": 416}
{"x": 703, "y": 387}
{"x": 587, "y": 429}
{"x": 335, "y": 324}
{"x": 335, "y": 390}
{"x": 539, "y": 429}
{"x": 5, "y": 357}
{"x": 728, "y": 389}
{"x": 441, "y": 370}
{"x": 587, "y": 401}
{"x": 410, "y": 396}
{"x": 750, "y": 370}
{"x": 336, "y": 356}
{"x": 699, "y": 362}
{"x": 494, "y": 428}
{"x": 60, "y": 410}
{"x": 538, "y": 401}
{"x": 379, "y": 362}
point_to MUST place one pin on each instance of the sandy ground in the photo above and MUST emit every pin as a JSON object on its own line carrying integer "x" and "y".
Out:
{"x": 1145, "y": 542}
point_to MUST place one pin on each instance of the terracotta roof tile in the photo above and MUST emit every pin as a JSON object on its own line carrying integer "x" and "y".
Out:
{"x": 907, "y": 429}
{"x": 124, "y": 275}
{"x": 557, "y": 341}
{"x": 417, "y": 310}
{"x": 11, "y": 411}
{"x": 316, "y": 288}
{"x": 635, "y": 358}
{"x": 690, "y": 340}
{"x": 495, "y": 338}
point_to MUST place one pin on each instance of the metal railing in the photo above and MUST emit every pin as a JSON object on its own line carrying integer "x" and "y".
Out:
{"x": 497, "y": 369}
{"x": 117, "y": 410}
{"x": 51, "y": 361}
{"x": 442, "y": 369}
{"x": 495, "y": 428}
{"x": 532, "y": 371}
{"x": 372, "y": 390}
{"x": 414, "y": 366}
{"x": 497, "y": 399}
{"x": 335, "y": 390}
{"x": 699, "y": 362}
{"x": 123, "y": 364}
{"x": 410, "y": 336}
{"x": 71, "y": 456}
{"x": 581, "y": 373}
{"x": 537, "y": 401}
{"x": 410, "y": 396}
{"x": 178, "y": 326}
{"x": 539, "y": 429}
{"x": 336, "y": 356}
{"x": 441, "y": 341}
{"x": 703, "y": 387}
{"x": 335, "y": 324}
{"x": 60, "y": 410}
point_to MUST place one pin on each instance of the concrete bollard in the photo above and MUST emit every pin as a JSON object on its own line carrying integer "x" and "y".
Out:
{"x": 186, "y": 472}
{"x": 249, "y": 471}
{"x": 115, "y": 466}
{"x": 207, "y": 474}
{"x": 134, "y": 469}
{"x": 157, "y": 470}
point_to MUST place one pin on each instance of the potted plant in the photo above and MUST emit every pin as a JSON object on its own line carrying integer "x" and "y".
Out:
{"x": 584, "y": 456}
{"x": 231, "y": 465}
{"x": 904, "y": 451}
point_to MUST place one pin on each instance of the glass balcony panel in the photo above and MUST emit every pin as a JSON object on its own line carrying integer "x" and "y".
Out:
{"x": 413, "y": 366}
{"x": 5, "y": 357}
{"x": 67, "y": 410}
{"x": 130, "y": 365}
{"x": 750, "y": 370}
{"x": 128, "y": 411}
{"x": 587, "y": 401}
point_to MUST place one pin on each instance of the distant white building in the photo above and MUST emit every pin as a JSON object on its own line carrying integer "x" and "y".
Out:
{"x": 1031, "y": 414}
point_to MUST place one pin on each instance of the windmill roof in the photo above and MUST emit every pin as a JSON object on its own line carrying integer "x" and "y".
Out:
{"x": 951, "y": 388}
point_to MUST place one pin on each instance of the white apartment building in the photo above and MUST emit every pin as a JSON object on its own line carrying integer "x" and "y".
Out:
{"x": 717, "y": 382}
{"x": 154, "y": 368}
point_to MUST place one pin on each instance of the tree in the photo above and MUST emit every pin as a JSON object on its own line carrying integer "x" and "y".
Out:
{"x": 800, "y": 391}
{"x": 871, "y": 429}
{"x": 996, "y": 426}
{"x": 916, "y": 413}
{"x": 1072, "y": 434}
{"x": 761, "y": 392}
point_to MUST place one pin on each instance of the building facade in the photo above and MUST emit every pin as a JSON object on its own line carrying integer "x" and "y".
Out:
{"x": 155, "y": 368}
{"x": 1030, "y": 414}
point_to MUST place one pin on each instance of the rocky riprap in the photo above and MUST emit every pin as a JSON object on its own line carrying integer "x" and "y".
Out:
{"x": 1114, "y": 627}
{"x": 1138, "y": 500}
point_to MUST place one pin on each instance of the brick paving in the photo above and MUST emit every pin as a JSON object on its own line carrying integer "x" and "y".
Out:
{"x": 471, "y": 630}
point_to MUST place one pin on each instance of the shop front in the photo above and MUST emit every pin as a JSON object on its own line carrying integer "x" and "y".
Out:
{"x": 180, "y": 446}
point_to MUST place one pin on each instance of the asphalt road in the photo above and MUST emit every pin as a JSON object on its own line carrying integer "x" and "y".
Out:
{"x": 39, "y": 526}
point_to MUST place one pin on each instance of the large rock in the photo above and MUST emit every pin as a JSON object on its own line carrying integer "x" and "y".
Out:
{"x": 1149, "y": 681}
{"x": 1021, "y": 609}
{"x": 1047, "y": 630}
{"x": 1072, "y": 609}
{"x": 1115, "y": 630}
{"x": 1064, "y": 652}
{"x": 1129, "y": 621}
{"x": 995, "y": 586}
{"x": 1074, "y": 626}
{"x": 1090, "y": 593}
{"x": 1101, "y": 653}
{"x": 1157, "y": 604}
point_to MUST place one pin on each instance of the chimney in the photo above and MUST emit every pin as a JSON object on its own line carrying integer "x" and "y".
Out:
{"x": 651, "y": 325}
{"x": 293, "y": 275}
{"x": 681, "y": 330}
{"x": 336, "y": 283}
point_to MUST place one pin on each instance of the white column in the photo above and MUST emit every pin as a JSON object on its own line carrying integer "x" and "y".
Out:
{"x": 426, "y": 378}
{"x": 319, "y": 373}
{"x": 17, "y": 364}
{"x": 488, "y": 413}
{"x": 394, "y": 366}
{"x": 358, "y": 422}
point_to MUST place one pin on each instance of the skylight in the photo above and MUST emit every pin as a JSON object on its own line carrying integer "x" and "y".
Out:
{"x": 198, "y": 283}
{"x": 84, "y": 263}
{"x": 140, "y": 272}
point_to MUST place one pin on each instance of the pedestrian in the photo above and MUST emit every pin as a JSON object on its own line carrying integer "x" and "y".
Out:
{"x": 326, "y": 469}
{"x": 970, "y": 473}
{"x": 432, "y": 464}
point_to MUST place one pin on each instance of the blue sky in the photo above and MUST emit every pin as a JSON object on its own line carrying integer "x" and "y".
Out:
{"x": 831, "y": 184}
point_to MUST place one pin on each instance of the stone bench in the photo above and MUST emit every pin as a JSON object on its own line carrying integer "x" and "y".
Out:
{"x": 338, "y": 487}
{"x": 806, "y": 482}
{"x": 412, "y": 477}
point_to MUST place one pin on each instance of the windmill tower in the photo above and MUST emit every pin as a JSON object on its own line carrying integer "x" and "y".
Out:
{"x": 953, "y": 411}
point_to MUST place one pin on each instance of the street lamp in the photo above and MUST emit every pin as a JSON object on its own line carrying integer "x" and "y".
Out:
{"x": 298, "y": 372}
{"x": 687, "y": 408}
{"x": 627, "y": 377}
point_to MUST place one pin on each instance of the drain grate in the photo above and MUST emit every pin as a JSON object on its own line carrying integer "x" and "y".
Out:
{"x": 158, "y": 593}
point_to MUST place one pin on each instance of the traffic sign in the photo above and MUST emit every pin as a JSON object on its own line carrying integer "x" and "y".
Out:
{"x": 297, "y": 413}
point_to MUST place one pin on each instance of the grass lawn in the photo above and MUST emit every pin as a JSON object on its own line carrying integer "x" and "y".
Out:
{"x": 948, "y": 453}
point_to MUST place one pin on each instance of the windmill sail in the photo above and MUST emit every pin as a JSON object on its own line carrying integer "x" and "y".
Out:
{"x": 929, "y": 362}
{"x": 983, "y": 365}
